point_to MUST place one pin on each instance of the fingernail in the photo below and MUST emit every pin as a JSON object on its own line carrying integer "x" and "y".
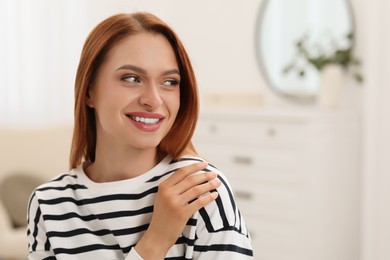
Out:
{"x": 211, "y": 174}
{"x": 204, "y": 164}
{"x": 217, "y": 181}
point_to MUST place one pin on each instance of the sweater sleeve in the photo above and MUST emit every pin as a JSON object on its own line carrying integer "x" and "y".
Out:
{"x": 222, "y": 232}
{"x": 38, "y": 243}
{"x": 133, "y": 255}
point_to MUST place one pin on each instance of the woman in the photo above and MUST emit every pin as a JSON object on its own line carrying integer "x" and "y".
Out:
{"x": 136, "y": 188}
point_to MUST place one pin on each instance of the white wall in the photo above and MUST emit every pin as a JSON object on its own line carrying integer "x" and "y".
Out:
{"x": 373, "y": 20}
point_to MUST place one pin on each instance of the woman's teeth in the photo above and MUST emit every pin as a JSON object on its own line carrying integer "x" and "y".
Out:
{"x": 150, "y": 121}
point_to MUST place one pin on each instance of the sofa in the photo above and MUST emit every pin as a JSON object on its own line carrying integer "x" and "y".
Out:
{"x": 28, "y": 157}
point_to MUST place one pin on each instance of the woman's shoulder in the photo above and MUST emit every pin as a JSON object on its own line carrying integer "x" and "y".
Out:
{"x": 61, "y": 182}
{"x": 225, "y": 190}
{"x": 191, "y": 159}
{"x": 187, "y": 160}
{"x": 224, "y": 212}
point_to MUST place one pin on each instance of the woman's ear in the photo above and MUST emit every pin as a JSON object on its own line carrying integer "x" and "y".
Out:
{"x": 89, "y": 100}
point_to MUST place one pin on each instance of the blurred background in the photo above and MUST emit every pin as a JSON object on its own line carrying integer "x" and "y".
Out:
{"x": 295, "y": 112}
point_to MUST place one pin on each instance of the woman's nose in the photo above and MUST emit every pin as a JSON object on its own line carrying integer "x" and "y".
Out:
{"x": 150, "y": 96}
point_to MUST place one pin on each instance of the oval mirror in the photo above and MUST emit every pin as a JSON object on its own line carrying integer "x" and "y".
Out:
{"x": 281, "y": 24}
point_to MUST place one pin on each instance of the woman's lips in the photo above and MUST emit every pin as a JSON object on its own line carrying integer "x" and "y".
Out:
{"x": 144, "y": 121}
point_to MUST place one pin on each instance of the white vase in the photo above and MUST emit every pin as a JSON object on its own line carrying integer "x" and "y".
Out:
{"x": 332, "y": 80}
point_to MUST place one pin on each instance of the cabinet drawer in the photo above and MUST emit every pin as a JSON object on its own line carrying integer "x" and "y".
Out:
{"x": 275, "y": 242}
{"x": 273, "y": 222}
{"x": 250, "y": 163}
{"x": 251, "y": 133}
{"x": 281, "y": 203}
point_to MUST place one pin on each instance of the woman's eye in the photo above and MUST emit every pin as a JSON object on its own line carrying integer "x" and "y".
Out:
{"x": 131, "y": 79}
{"x": 171, "y": 82}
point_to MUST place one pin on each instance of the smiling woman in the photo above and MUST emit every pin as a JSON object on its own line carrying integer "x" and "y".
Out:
{"x": 136, "y": 189}
{"x": 144, "y": 91}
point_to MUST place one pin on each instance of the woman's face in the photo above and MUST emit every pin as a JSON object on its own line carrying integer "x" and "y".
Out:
{"x": 136, "y": 95}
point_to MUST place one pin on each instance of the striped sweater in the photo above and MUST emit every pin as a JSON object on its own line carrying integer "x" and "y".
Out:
{"x": 72, "y": 217}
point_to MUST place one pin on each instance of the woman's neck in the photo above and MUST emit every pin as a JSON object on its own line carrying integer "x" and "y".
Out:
{"x": 121, "y": 164}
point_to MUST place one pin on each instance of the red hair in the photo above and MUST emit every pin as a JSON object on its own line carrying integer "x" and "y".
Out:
{"x": 102, "y": 38}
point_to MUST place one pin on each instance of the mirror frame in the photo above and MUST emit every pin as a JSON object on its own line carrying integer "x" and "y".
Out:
{"x": 303, "y": 99}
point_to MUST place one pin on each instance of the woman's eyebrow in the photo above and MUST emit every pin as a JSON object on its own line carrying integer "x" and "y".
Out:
{"x": 172, "y": 71}
{"x": 142, "y": 71}
{"x": 131, "y": 67}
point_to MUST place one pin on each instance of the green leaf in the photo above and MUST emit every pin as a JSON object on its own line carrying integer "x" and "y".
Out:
{"x": 341, "y": 56}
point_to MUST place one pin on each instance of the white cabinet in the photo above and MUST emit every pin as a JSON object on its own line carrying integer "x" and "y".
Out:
{"x": 295, "y": 178}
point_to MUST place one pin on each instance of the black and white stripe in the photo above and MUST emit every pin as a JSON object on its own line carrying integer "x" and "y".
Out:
{"x": 73, "y": 218}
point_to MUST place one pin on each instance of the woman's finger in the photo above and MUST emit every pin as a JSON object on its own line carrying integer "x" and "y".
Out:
{"x": 194, "y": 180}
{"x": 197, "y": 191}
{"x": 201, "y": 202}
{"x": 183, "y": 172}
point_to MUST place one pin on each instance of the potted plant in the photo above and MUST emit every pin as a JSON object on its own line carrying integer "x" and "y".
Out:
{"x": 332, "y": 62}
{"x": 319, "y": 56}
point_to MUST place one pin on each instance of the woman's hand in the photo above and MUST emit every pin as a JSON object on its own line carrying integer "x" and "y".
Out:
{"x": 178, "y": 198}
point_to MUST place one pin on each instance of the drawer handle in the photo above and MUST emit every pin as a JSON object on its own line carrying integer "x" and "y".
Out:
{"x": 213, "y": 129}
{"x": 244, "y": 195}
{"x": 271, "y": 132}
{"x": 242, "y": 160}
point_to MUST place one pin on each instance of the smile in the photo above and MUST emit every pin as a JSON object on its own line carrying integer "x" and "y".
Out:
{"x": 145, "y": 120}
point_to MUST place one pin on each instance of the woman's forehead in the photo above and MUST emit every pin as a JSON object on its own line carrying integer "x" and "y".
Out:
{"x": 146, "y": 50}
